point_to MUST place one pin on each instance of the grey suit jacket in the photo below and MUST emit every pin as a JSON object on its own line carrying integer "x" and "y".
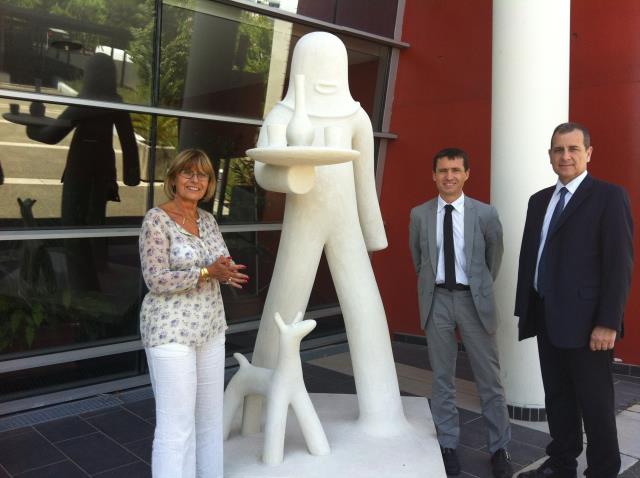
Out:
{"x": 482, "y": 247}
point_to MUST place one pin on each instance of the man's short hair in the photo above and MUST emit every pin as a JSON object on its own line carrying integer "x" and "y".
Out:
{"x": 565, "y": 128}
{"x": 451, "y": 153}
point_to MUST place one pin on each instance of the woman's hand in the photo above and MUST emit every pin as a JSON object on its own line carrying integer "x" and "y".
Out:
{"x": 225, "y": 271}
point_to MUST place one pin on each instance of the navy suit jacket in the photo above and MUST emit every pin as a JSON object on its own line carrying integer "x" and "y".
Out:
{"x": 590, "y": 259}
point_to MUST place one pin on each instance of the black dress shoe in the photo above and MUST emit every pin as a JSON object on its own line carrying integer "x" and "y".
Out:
{"x": 549, "y": 470}
{"x": 451, "y": 462}
{"x": 501, "y": 464}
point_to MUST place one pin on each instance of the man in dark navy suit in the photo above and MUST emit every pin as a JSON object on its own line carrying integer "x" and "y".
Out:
{"x": 573, "y": 282}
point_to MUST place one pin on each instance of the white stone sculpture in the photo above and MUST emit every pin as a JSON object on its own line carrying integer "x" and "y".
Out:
{"x": 282, "y": 386}
{"x": 332, "y": 204}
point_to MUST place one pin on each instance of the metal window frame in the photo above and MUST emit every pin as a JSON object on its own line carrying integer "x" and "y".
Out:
{"x": 389, "y": 97}
{"x": 43, "y": 234}
{"x": 89, "y": 352}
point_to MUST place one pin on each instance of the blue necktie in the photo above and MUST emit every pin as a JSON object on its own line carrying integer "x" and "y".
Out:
{"x": 557, "y": 212}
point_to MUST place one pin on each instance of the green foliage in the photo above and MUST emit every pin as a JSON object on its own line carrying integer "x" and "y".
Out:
{"x": 256, "y": 31}
{"x": 24, "y": 318}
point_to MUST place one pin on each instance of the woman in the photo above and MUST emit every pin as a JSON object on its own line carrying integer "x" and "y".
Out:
{"x": 184, "y": 260}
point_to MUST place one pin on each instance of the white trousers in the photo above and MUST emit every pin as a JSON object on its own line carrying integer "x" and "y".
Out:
{"x": 188, "y": 385}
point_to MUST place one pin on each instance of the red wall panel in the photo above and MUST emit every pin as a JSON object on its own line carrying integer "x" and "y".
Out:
{"x": 442, "y": 98}
{"x": 605, "y": 96}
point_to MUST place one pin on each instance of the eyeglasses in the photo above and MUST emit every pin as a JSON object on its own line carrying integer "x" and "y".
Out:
{"x": 188, "y": 174}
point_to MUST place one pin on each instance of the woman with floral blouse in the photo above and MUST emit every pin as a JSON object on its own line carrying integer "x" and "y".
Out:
{"x": 184, "y": 260}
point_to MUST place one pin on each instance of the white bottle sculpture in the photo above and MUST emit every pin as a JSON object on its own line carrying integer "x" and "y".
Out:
{"x": 299, "y": 130}
{"x": 338, "y": 211}
{"x": 282, "y": 386}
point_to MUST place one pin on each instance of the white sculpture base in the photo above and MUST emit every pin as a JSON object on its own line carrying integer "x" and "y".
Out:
{"x": 353, "y": 453}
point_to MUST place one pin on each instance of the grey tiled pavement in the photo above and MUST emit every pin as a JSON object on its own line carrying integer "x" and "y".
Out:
{"x": 116, "y": 441}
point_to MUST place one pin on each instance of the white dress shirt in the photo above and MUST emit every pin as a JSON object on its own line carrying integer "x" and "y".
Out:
{"x": 571, "y": 189}
{"x": 457, "y": 216}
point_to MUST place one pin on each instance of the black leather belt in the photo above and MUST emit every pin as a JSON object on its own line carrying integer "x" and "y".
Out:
{"x": 455, "y": 287}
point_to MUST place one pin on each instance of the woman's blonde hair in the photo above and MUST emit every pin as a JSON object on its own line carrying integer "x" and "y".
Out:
{"x": 187, "y": 159}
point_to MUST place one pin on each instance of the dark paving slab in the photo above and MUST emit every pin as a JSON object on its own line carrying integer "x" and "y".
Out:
{"x": 141, "y": 448}
{"x": 3, "y": 473}
{"x": 626, "y": 378}
{"x": 25, "y": 451}
{"x": 522, "y": 454}
{"x": 473, "y": 434}
{"x": 528, "y": 435}
{"x": 417, "y": 356}
{"x": 64, "y": 469}
{"x": 135, "y": 470}
{"x": 96, "y": 453}
{"x": 64, "y": 429}
{"x": 467, "y": 416}
{"x": 475, "y": 462}
{"x": 144, "y": 408}
{"x": 122, "y": 426}
{"x": 15, "y": 433}
{"x": 319, "y": 386}
{"x": 411, "y": 354}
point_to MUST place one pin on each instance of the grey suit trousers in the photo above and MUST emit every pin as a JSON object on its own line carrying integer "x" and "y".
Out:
{"x": 451, "y": 309}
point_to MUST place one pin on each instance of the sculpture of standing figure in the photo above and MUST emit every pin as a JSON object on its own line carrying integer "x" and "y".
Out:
{"x": 339, "y": 213}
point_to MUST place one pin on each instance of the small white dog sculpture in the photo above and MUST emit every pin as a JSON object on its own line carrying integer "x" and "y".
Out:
{"x": 282, "y": 386}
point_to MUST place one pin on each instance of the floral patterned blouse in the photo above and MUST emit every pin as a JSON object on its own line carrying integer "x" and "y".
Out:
{"x": 177, "y": 308}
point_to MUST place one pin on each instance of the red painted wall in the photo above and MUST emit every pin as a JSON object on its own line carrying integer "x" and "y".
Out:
{"x": 443, "y": 98}
{"x": 605, "y": 96}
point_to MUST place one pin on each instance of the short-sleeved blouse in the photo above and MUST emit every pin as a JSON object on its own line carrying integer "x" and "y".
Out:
{"x": 178, "y": 308}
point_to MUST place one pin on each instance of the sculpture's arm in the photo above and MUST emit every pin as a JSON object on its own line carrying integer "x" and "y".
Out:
{"x": 363, "y": 168}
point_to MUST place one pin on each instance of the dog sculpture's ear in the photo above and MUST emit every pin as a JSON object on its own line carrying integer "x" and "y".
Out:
{"x": 298, "y": 317}
{"x": 281, "y": 325}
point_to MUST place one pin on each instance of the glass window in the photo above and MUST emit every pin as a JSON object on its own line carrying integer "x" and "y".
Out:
{"x": 238, "y": 198}
{"x": 221, "y": 59}
{"x": 54, "y": 378}
{"x": 68, "y": 293}
{"x": 70, "y": 166}
{"x": 50, "y": 47}
{"x": 257, "y": 250}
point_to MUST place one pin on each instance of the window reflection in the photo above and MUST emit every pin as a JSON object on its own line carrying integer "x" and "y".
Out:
{"x": 238, "y": 198}
{"x": 41, "y": 310}
{"x": 258, "y": 250}
{"x": 70, "y": 167}
{"x": 220, "y": 59}
{"x": 46, "y": 45}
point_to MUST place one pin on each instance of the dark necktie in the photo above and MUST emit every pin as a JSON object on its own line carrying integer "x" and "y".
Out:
{"x": 449, "y": 254}
{"x": 557, "y": 212}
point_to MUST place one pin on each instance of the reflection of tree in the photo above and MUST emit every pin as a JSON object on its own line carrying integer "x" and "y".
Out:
{"x": 253, "y": 45}
{"x": 176, "y": 41}
{"x": 100, "y": 12}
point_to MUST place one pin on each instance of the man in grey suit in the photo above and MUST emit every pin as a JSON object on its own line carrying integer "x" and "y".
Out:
{"x": 456, "y": 244}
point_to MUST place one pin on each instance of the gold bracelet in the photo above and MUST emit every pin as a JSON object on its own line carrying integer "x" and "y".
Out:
{"x": 204, "y": 274}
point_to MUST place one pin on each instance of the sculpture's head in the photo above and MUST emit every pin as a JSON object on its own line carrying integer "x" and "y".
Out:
{"x": 322, "y": 58}
{"x": 99, "y": 80}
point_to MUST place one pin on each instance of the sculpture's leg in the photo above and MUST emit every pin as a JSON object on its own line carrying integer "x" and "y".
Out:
{"x": 275, "y": 426}
{"x": 310, "y": 424}
{"x": 233, "y": 396}
{"x": 374, "y": 370}
{"x": 293, "y": 275}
